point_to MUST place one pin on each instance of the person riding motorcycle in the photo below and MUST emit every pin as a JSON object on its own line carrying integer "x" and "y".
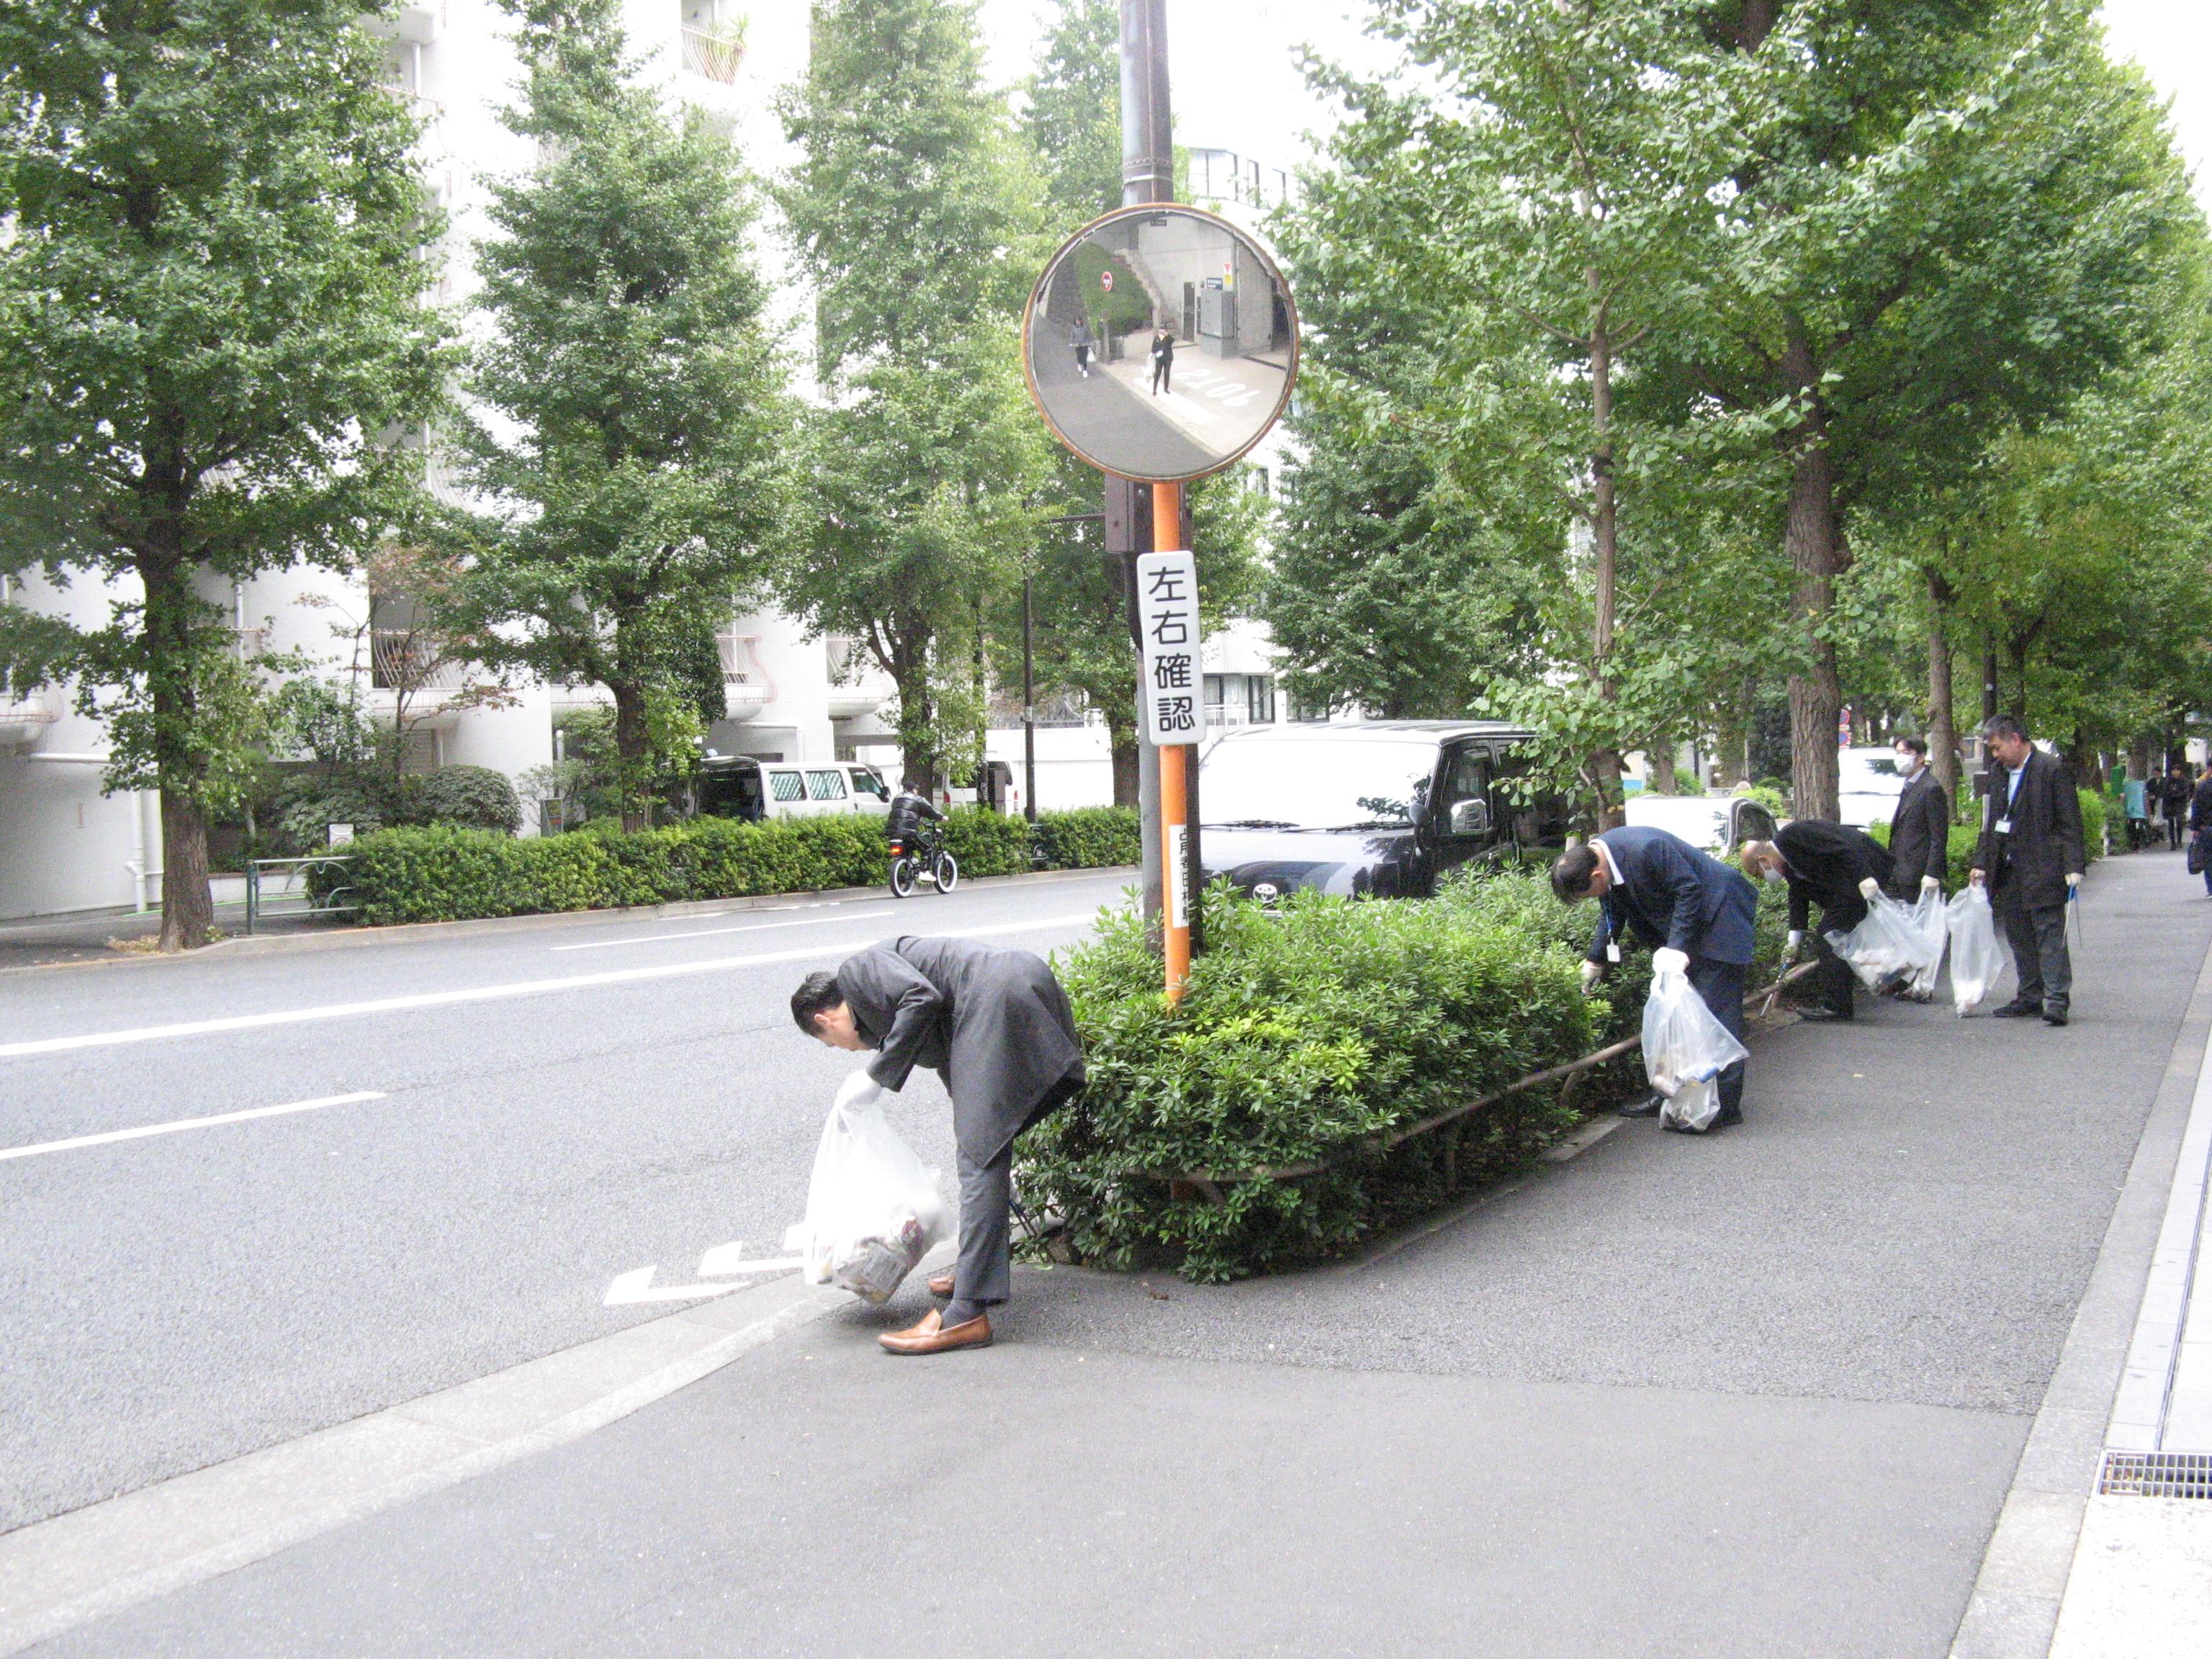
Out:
{"x": 909, "y": 811}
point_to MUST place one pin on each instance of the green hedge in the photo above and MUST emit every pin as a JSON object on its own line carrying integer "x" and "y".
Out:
{"x": 443, "y": 873}
{"x": 1304, "y": 1032}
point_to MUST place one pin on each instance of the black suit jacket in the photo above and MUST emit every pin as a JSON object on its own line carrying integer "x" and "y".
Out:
{"x": 1671, "y": 894}
{"x": 2045, "y": 845}
{"x": 1920, "y": 833}
{"x": 2200, "y": 805}
{"x": 1827, "y": 862}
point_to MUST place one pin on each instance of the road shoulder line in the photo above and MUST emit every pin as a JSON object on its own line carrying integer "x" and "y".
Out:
{"x": 59, "y": 1574}
{"x": 2013, "y": 1613}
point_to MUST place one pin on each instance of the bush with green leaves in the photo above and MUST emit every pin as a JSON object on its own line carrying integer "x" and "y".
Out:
{"x": 1307, "y": 1035}
{"x": 1089, "y": 837}
{"x": 473, "y": 796}
{"x": 449, "y": 872}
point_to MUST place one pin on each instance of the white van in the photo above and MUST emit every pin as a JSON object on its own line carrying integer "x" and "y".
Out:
{"x": 738, "y": 786}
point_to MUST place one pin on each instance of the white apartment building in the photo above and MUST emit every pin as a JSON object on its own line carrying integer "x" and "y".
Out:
{"x": 65, "y": 846}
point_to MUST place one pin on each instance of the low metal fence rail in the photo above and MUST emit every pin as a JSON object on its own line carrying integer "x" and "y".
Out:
{"x": 293, "y": 881}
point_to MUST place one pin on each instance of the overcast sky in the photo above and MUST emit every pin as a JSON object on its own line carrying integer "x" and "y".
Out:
{"x": 1235, "y": 86}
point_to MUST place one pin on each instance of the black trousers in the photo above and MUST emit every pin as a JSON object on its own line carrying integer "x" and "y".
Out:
{"x": 984, "y": 1273}
{"x": 2172, "y": 832}
{"x": 1833, "y": 982}
{"x": 1722, "y": 986}
{"x": 2037, "y": 934}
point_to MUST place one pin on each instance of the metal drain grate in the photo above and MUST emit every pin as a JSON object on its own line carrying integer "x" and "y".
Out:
{"x": 2155, "y": 1475}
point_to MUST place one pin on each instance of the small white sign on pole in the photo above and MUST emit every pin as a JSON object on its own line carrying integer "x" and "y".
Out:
{"x": 1173, "y": 690}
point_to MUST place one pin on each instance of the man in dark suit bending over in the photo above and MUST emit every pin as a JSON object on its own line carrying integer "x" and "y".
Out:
{"x": 1692, "y": 910}
{"x": 1836, "y": 867}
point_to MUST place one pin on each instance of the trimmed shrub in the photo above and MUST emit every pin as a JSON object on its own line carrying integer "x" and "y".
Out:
{"x": 1305, "y": 1033}
{"x": 474, "y": 796}
{"x": 1089, "y": 837}
{"x": 450, "y": 872}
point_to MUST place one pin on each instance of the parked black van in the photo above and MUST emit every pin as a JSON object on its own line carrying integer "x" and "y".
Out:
{"x": 1372, "y": 809}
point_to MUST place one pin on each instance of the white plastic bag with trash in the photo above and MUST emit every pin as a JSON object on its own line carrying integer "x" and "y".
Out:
{"x": 1884, "y": 944}
{"x": 1686, "y": 1048}
{"x": 1978, "y": 956}
{"x": 1931, "y": 922}
{"x": 872, "y": 1210}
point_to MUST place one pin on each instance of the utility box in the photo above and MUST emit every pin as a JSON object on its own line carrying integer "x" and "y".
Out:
{"x": 1216, "y": 321}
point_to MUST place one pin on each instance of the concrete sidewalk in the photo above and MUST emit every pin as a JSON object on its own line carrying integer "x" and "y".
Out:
{"x": 1760, "y": 1394}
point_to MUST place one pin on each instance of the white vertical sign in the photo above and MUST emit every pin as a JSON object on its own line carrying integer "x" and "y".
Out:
{"x": 1173, "y": 695}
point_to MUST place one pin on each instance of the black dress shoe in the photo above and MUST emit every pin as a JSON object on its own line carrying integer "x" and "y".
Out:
{"x": 2015, "y": 1009}
{"x": 2054, "y": 1013}
{"x": 1647, "y": 1107}
{"x": 1817, "y": 1014}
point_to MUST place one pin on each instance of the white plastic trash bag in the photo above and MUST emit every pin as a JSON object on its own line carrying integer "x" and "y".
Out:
{"x": 1884, "y": 944}
{"x": 872, "y": 1211}
{"x": 1978, "y": 956}
{"x": 1931, "y": 922}
{"x": 1686, "y": 1048}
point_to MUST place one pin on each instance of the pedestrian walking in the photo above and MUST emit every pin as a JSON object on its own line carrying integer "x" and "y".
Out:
{"x": 2200, "y": 822}
{"x": 2176, "y": 792}
{"x": 2031, "y": 859}
{"x": 2138, "y": 797}
{"x": 1920, "y": 828}
{"x": 1162, "y": 362}
{"x": 1696, "y": 913}
{"x": 996, "y": 1025}
{"x": 1838, "y": 868}
{"x": 1079, "y": 341}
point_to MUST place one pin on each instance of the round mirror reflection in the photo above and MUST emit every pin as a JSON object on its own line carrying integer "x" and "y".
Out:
{"x": 1161, "y": 344}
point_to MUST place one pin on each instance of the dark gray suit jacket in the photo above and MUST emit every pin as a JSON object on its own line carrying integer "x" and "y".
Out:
{"x": 1920, "y": 836}
{"x": 2045, "y": 847}
{"x": 995, "y": 1024}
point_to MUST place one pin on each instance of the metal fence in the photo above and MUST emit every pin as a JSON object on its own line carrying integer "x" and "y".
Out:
{"x": 290, "y": 893}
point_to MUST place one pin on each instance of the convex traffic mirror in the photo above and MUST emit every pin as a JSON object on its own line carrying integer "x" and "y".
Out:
{"x": 1161, "y": 344}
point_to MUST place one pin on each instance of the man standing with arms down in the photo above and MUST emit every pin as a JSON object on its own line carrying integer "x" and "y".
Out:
{"x": 1919, "y": 837}
{"x": 996, "y": 1025}
{"x": 1696, "y": 911}
{"x": 2031, "y": 857}
{"x": 1836, "y": 867}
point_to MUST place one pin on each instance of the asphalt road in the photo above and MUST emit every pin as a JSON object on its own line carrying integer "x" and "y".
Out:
{"x": 173, "y": 1300}
{"x": 1760, "y": 1394}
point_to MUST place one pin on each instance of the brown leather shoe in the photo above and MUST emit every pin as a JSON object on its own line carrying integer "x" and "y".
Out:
{"x": 930, "y": 1336}
{"x": 940, "y": 1284}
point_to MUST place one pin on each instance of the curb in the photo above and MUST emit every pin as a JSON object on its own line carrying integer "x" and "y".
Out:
{"x": 59, "y": 1574}
{"x": 341, "y": 939}
{"x": 2013, "y": 1613}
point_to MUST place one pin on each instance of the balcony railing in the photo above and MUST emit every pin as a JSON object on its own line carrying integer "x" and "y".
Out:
{"x": 714, "y": 56}
{"x": 413, "y": 662}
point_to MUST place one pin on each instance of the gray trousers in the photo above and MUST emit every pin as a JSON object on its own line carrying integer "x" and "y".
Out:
{"x": 2038, "y": 937}
{"x": 985, "y": 1271}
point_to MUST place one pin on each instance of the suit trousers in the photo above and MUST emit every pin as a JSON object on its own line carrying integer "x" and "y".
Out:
{"x": 984, "y": 1273}
{"x": 1833, "y": 982}
{"x": 1722, "y": 986}
{"x": 2037, "y": 934}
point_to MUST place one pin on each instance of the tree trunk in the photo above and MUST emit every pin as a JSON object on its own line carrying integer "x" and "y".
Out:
{"x": 1660, "y": 764}
{"x": 187, "y": 906}
{"x": 1942, "y": 725}
{"x": 1124, "y": 741}
{"x": 632, "y": 747}
{"x": 1605, "y": 535}
{"x": 1816, "y": 694}
{"x": 1988, "y": 678}
{"x": 917, "y": 723}
{"x": 2016, "y": 648}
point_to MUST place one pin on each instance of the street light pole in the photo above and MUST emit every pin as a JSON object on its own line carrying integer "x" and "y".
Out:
{"x": 1029, "y": 706}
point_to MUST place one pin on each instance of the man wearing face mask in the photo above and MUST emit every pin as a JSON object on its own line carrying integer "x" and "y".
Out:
{"x": 1919, "y": 837}
{"x": 1836, "y": 867}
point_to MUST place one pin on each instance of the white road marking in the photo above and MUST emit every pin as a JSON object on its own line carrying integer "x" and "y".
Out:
{"x": 709, "y": 932}
{"x": 182, "y": 1123}
{"x": 486, "y": 993}
{"x": 637, "y": 1286}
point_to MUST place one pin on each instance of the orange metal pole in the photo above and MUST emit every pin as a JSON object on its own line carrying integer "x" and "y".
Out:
{"x": 1175, "y": 897}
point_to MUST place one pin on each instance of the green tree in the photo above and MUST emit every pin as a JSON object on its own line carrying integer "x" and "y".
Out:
{"x": 1940, "y": 219}
{"x": 638, "y": 417}
{"x": 914, "y": 214}
{"x": 1073, "y": 117}
{"x": 210, "y": 312}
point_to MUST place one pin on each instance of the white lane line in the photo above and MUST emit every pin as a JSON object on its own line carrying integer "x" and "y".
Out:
{"x": 709, "y": 932}
{"x": 182, "y": 1123}
{"x": 488, "y": 993}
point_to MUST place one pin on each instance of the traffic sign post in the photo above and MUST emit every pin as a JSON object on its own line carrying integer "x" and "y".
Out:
{"x": 1172, "y": 701}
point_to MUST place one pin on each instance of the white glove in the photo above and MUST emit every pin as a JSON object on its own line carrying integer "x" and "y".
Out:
{"x": 2072, "y": 882}
{"x": 1975, "y": 877}
{"x": 1592, "y": 973}
{"x": 858, "y": 1090}
{"x": 1670, "y": 962}
{"x": 1791, "y": 946}
{"x": 1868, "y": 888}
{"x": 1929, "y": 883}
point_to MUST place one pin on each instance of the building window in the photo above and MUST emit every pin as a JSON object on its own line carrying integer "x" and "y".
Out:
{"x": 1260, "y": 699}
{"x": 713, "y": 41}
